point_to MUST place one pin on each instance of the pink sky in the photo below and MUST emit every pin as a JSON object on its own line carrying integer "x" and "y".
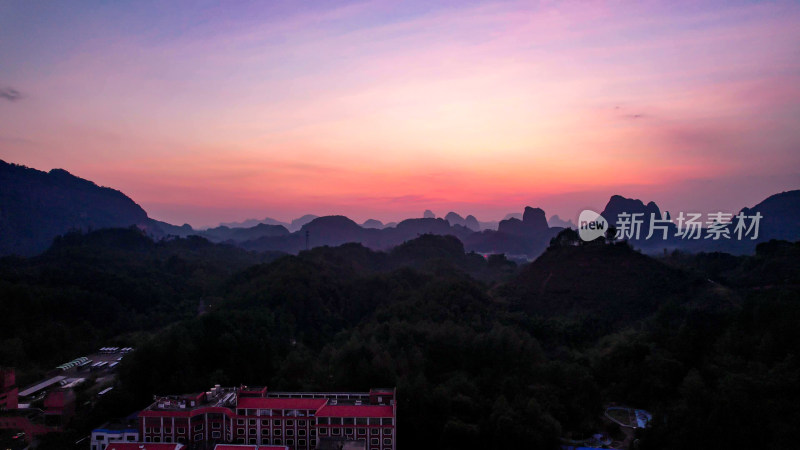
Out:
{"x": 209, "y": 114}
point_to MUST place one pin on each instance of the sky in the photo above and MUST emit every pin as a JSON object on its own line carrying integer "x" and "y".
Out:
{"x": 208, "y": 112}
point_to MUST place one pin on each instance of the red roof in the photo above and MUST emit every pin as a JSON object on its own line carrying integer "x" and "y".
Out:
{"x": 142, "y": 446}
{"x": 355, "y": 411}
{"x": 281, "y": 403}
{"x": 249, "y": 447}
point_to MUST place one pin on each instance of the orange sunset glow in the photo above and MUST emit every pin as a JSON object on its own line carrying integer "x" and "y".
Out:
{"x": 382, "y": 110}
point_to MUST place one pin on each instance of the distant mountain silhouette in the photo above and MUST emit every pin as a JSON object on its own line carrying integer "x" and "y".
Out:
{"x": 781, "y": 216}
{"x": 619, "y": 204}
{"x": 454, "y": 219}
{"x": 37, "y": 206}
{"x": 222, "y": 233}
{"x": 372, "y": 223}
{"x": 253, "y": 222}
{"x": 556, "y": 221}
{"x": 428, "y": 214}
{"x": 472, "y": 223}
{"x": 300, "y": 221}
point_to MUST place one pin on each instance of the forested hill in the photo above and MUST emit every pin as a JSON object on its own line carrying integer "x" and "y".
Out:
{"x": 485, "y": 353}
{"x": 36, "y": 206}
{"x": 88, "y": 288}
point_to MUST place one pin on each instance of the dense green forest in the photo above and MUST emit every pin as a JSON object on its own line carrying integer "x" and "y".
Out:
{"x": 484, "y": 353}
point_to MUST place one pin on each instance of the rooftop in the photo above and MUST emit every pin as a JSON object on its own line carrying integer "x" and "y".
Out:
{"x": 217, "y": 396}
{"x": 355, "y": 411}
{"x": 281, "y": 403}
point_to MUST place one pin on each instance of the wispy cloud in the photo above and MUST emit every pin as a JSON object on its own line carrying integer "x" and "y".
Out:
{"x": 10, "y": 94}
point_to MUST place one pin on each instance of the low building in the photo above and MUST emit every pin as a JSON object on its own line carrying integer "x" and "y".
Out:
{"x": 255, "y": 416}
{"x": 59, "y": 407}
{"x": 9, "y": 393}
{"x": 117, "y": 431}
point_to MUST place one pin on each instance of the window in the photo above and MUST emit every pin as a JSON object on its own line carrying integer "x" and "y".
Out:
{"x": 290, "y": 442}
{"x": 362, "y": 431}
{"x": 323, "y": 420}
{"x": 265, "y": 431}
{"x": 252, "y": 440}
{"x": 361, "y": 421}
{"x": 239, "y": 421}
{"x": 387, "y": 441}
{"x": 374, "y": 441}
{"x": 181, "y": 430}
{"x": 265, "y": 412}
{"x": 387, "y": 431}
{"x": 240, "y": 431}
{"x": 374, "y": 431}
{"x": 265, "y": 423}
{"x": 215, "y": 425}
{"x": 276, "y": 422}
{"x": 264, "y": 441}
{"x": 277, "y": 442}
{"x": 301, "y": 432}
{"x": 277, "y": 432}
{"x": 336, "y": 431}
{"x": 323, "y": 431}
{"x": 130, "y": 438}
{"x": 301, "y": 442}
{"x": 215, "y": 434}
{"x": 289, "y": 423}
{"x": 374, "y": 421}
{"x": 349, "y": 421}
{"x": 290, "y": 432}
{"x": 198, "y": 437}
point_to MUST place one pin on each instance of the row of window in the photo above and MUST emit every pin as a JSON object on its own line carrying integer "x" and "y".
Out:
{"x": 351, "y": 431}
{"x": 353, "y": 421}
{"x": 289, "y": 442}
{"x": 266, "y": 431}
{"x": 276, "y": 422}
{"x": 276, "y": 412}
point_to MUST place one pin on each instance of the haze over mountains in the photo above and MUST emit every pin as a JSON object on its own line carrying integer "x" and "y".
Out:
{"x": 37, "y": 206}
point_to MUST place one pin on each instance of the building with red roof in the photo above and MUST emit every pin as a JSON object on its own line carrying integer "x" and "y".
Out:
{"x": 255, "y": 418}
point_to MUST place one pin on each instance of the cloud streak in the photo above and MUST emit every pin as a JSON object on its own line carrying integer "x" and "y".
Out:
{"x": 10, "y": 94}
